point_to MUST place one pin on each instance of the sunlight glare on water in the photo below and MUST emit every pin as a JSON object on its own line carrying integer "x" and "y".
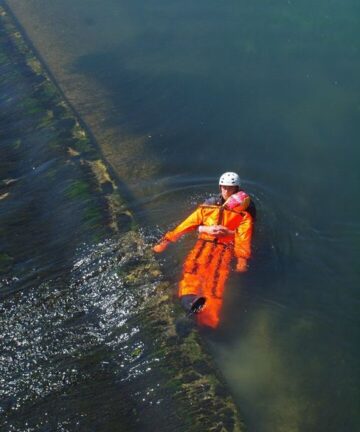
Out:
{"x": 58, "y": 337}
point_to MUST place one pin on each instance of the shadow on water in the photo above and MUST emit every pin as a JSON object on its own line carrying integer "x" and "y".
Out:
{"x": 192, "y": 91}
{"x": 125, "y": 191}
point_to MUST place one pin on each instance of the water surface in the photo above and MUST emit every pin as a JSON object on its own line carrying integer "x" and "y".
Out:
{"x": 178, "y": 93}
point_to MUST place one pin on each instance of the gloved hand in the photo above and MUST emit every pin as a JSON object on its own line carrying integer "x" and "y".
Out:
{"x": 161, "y": 246}
{"x": 215, "y": 230}
{"x": 241, "y": 265}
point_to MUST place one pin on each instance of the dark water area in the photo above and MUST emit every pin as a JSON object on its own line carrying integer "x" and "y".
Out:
{"x": 268, "y": 89}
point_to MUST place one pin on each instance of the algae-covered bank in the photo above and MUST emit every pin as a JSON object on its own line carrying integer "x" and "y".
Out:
{"x": 88, "y": 336}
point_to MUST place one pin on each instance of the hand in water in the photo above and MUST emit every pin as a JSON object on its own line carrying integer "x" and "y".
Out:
{"x": 161, "y": 246}
{"x": 241, "y": 265}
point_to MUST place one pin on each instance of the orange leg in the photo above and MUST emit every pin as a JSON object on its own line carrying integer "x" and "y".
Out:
{"x": 205, "y": 272}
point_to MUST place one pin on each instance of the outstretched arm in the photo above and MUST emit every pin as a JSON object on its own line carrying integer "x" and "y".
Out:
{"x": 189, "y": 224}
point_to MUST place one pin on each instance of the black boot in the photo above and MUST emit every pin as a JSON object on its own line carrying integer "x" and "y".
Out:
{"x": 192, "y": 303}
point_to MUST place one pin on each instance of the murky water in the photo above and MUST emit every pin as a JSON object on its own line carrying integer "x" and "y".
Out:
{"x": 178, "y": 93}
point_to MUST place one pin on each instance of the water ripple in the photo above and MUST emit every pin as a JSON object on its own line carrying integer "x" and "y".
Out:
{"x": 57, "y": 335}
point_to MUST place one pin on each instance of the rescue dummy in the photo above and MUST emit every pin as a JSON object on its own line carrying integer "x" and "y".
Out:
{"x": 224, "y": 227}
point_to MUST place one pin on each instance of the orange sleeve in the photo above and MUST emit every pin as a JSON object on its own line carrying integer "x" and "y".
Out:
{"x": 189, "y": 224}
{"x": 243, "y": 235}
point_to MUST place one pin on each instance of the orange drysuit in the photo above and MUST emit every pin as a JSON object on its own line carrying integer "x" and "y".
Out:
{"x": 207, "y": 266}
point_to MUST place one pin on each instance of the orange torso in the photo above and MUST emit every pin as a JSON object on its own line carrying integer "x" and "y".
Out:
{"x": 235, "y": 220}
{"x": 216, "y": 215}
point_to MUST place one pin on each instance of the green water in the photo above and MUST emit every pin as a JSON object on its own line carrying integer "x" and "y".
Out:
{"x": 177, "y": 93}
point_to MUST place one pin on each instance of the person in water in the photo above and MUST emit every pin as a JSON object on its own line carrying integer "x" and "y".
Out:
{"x": 225, "y": 225}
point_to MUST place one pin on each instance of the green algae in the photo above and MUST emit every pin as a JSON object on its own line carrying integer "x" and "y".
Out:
{"x": 17, "y": 144}
{"x": 78, "y": 189}
{"x": 93, "y": 217}
{"x": 6, "y": 262}
{"x": 83, "y": 145}
{"x": 191, "y": 348}
{"x": 82, "y": 142}
{"x": 47, "y": 120}
{"x": 35, "y": 65}
{"x": 3, "y": 58}
{"x": 31, "y": 106}
{"x": 136, "y": 352}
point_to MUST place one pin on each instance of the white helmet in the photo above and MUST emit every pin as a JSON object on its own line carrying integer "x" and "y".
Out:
{"x": 229, "y": 179}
